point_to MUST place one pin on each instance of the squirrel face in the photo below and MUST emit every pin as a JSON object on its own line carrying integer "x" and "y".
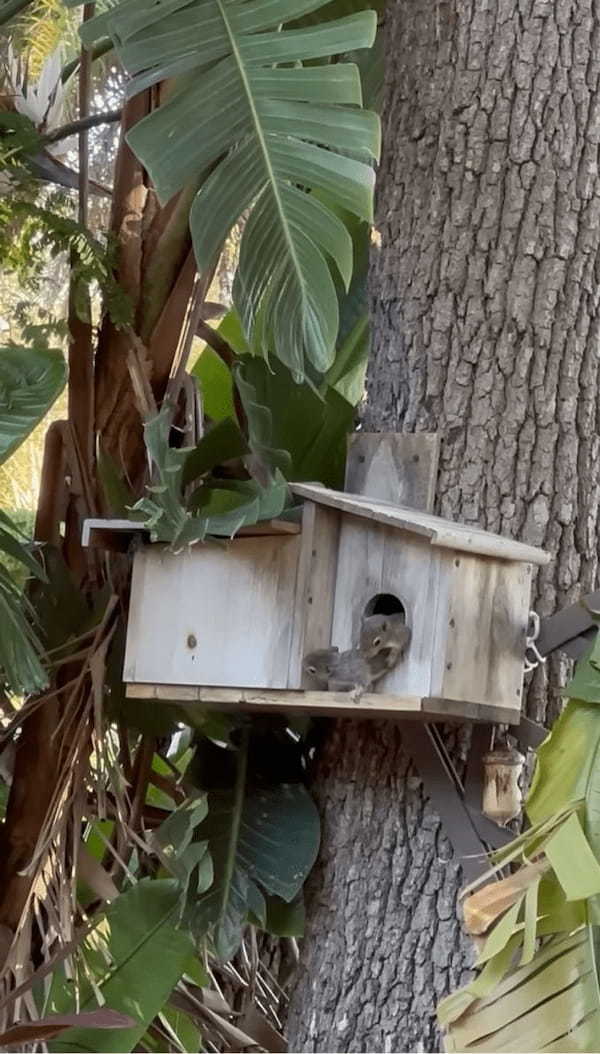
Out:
{"x": 380, "y": 632}
{"x": 320, "y": 664}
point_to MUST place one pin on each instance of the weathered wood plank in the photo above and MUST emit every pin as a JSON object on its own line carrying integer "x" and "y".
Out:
{"x": 397, "y": 467}
{"x": 212, "y": 615}
{"x": 485, "y": 626}
{"x": 117, "y": 535}
{"x": 359, "y": 577}
{"x": 338, "y": 704}
{"x": 315, "y": 586}
{"x": 411, "y": 573}
{"x": 440, "y": 533}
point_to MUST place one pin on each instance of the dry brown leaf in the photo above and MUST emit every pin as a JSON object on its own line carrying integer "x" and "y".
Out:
{"x": 261, "y": 1029}
{"x": 482, "y": 908}
{"x": 50, "y": 1026}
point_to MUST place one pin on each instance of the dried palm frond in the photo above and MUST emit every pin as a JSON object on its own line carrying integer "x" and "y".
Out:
{"x": 50, "y": 913}
{"x": 41, "y": 98}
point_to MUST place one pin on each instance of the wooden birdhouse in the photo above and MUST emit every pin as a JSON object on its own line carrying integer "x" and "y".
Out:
{"x": 228, "y": 626}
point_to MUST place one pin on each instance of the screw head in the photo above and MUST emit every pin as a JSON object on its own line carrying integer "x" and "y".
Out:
{"x": 191, "y": 641}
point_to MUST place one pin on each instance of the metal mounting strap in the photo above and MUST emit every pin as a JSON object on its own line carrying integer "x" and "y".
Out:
{"x": 571, "y": 630}
{"x": 440, "y": 783}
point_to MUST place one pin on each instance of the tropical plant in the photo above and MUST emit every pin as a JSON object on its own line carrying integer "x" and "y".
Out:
{"x": 538, "y": 982}
{"x": 255, "y": 127}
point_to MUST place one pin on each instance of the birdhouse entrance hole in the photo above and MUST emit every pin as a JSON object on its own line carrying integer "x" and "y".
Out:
{"x": 385, "y": 604}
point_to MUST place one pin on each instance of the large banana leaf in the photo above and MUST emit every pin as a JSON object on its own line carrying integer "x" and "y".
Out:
{"x": 134, "y": 958}
{"x": 260, "y": 130}
{"x": 263, "y": 840}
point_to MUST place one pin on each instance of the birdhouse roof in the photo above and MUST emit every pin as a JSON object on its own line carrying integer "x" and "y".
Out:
{"x": 441, "y": 533}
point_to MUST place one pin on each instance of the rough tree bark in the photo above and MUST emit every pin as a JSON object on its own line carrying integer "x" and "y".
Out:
{"x": 485, "y": 301}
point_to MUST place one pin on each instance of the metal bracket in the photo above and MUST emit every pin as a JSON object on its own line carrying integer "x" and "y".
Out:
{"x": 531, "y": 647}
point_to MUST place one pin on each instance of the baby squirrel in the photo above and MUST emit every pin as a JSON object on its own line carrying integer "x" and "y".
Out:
{"x": 383, "y": 639}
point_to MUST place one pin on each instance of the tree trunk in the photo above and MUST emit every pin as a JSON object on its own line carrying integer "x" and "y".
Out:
{"x": 485, "y": 301}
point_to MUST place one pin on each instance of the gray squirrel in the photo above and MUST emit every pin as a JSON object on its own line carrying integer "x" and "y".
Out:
{"x": 383, "y": 639}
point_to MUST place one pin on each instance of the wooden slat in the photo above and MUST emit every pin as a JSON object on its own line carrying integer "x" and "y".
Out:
{"x": 486, "y": 622}
{"x": 394, "y": 466}
{"x": 315, "y": 586}
{"x": 117, "y": 534}
{"x": 372, "y": 704}
{"x": 359, "y": 577}
{"x": 439, "y": 532}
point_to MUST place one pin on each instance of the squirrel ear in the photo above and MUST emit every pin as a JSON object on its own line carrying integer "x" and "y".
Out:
{"x": 384, "y": 625}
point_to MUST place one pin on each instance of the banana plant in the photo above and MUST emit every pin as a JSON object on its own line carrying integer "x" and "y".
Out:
{"x": 538, "y": 982}
{"x": 264, "y": 127}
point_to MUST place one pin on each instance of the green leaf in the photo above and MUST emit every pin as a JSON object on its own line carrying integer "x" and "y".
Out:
{"x": 453, "y": 1006}
{"x": 283, "y": 919}
{"x": 135, "y": 956}
{"x": 530, "y": 917}
{"x": 231, "y": 330}
{"x": 568, "y": 844}
{"x": 254, "y": 126}
{"x": 568, "y": 769}
{"x": 502, "y": 932}
{"x": 259, "y": 413}
{"x": 223, "y": 442}
{"x": 263, "y": 840}
{"x": 313, "y": 429}
{"x": 30, "y": 381}
{"x": 347, "y": 375}
{"x": 20, "y": 648}
{"x": 585, "y": 684}
{"x": 216, "y": 385}
{"x": 185, "y": 1029}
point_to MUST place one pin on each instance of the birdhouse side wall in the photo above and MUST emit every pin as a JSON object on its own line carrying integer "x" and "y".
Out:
{"x": 214, "y": 616}
{"x": 374, "y": 559}
{"x": 482, "y": 616}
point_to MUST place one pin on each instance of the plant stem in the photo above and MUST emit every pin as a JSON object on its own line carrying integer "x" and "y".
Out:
{"x": 82, "y": 124}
